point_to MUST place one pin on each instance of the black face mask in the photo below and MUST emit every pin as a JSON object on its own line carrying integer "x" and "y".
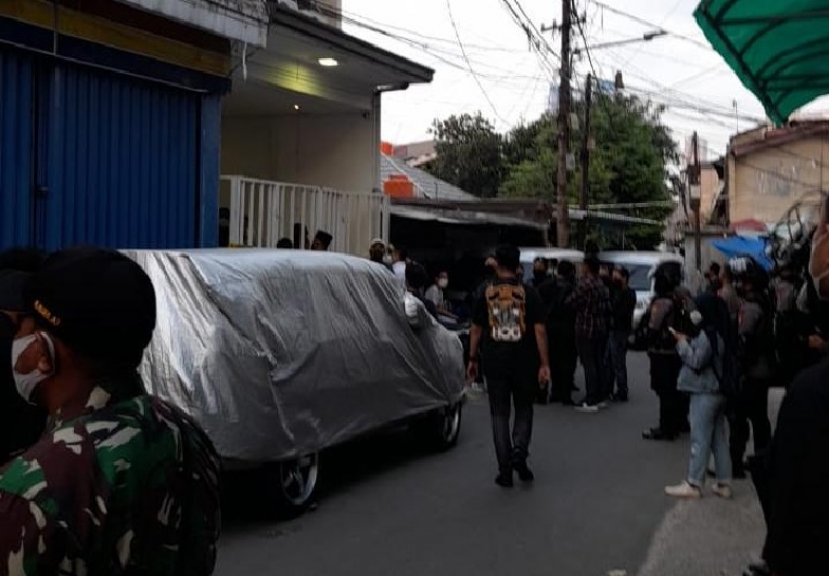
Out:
{"x": 539, "y": 275}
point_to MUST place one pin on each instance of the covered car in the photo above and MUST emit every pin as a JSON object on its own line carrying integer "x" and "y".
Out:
{"x": 280, "y": 354}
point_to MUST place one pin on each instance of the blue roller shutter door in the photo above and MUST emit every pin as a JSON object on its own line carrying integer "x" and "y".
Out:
{"x": 121, "y": 163}
{"x": 16, "y": 146}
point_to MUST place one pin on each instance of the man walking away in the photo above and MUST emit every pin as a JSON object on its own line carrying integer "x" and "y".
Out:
{"x": 508, "y": 323}
{"x": 624, "y": 303}
{"x": 121, "y": 482}
{"x": 591, "y": 302}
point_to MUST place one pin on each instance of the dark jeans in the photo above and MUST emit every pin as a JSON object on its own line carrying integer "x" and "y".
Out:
{"x": 563, "y": 362}
{"x": 617, "y": 350}
{"x": 752, "y": 405}
{"x": 673, "y": 405}
{"x": 592, "y": 355}
{"x": 506, "y": 390}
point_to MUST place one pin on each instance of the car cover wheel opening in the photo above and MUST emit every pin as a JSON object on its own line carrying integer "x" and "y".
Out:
{"x": 451, "y": 423}
{"x": 298, "y": 480}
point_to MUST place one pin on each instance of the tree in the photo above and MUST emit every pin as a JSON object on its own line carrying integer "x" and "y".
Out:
{"x": 627, "y": 165}
{"x": 468, "y": 153}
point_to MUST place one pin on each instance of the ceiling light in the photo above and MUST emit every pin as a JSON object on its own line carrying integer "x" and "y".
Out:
{"x": 296, "y": 106}
{"x": 328, "y": 62}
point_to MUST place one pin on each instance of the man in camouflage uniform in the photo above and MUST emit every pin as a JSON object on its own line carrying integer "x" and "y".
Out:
{"x": 121, "y": 482}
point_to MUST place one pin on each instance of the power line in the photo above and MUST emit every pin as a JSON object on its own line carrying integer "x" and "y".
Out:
{"x": 644, "y": 22}
{"x": 469, "y": 64}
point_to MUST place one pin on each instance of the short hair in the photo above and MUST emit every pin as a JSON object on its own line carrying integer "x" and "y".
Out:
{"x": 403, "y": 251}
{"x": 285, "y": 243}
{"x": 566, "y": 269}
{"x": 508, "y": 256}
{"x": 593, "y": 265}
{"x": 416, "y": 276}
{"x": 715, "y": 268}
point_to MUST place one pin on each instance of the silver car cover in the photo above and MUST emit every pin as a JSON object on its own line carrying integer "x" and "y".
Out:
{"x": 279, "y": 353}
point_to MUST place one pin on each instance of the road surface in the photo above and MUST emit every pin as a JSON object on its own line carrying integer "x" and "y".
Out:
{"x": 596, "y": 508}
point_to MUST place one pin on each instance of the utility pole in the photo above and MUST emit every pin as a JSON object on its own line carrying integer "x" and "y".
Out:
{"x": 695, "y": 194}
{"x": 585, "y": 161}
{"x": 562, "y": 214}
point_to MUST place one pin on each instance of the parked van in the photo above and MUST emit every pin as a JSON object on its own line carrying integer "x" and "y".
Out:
{"x": 641, "y": 266}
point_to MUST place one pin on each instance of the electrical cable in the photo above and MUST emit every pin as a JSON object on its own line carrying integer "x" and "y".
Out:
{"x": 651, "y": 25}
{"x": 469, "y": 64}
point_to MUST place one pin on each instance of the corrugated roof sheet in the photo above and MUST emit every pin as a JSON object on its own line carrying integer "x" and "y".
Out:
{"x": 426, "y": 185}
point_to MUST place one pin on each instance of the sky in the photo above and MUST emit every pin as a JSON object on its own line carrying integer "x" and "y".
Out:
{"x": 509, "y": 84}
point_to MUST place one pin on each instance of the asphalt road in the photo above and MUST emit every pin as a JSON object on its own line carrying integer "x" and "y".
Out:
{"x": 388, "y": 508}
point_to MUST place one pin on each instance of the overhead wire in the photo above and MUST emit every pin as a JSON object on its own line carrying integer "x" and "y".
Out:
{"x": 650, "y": 24}
{"x": 469, "y": 64}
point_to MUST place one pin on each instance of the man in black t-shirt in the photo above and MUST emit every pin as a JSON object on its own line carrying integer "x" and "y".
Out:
{"x": 508, "y": 323}
{"x": 623, "y": 303}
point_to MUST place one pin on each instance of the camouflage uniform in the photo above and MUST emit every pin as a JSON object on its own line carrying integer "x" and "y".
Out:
{"x": 120, "y": 484}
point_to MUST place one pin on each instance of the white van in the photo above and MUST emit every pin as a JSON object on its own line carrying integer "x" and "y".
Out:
{"x": 641, "y": 266}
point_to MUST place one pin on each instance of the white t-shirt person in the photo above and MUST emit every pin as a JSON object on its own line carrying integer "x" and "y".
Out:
{"x": 435, "y": 294}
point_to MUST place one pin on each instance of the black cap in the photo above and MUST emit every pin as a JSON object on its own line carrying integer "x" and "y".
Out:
{"x": 12, "y": 287}
{"x": 98, "y": 302}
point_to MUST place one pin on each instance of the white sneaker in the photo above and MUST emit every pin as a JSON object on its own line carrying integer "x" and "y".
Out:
{"x": 602, "y": 405}
{"x": 587, "y": 408}
{"x": 683, "y": 490}
{"x": 722, "y": 490}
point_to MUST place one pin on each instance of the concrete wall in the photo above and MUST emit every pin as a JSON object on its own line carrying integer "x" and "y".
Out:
{"x": 764, "y": 184}
{"x": 339, "y": 150}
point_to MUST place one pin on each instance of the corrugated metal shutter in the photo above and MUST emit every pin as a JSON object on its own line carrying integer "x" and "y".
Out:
{"x": 16, "y": 134}
{"x": 122, "y": 161}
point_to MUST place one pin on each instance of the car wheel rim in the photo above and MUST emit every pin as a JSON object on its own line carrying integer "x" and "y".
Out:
{"x": 298, "y": 478}
{"x": 451, "y": 422}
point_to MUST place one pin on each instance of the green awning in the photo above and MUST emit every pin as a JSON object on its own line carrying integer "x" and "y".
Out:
{"x": 778, "y": 48}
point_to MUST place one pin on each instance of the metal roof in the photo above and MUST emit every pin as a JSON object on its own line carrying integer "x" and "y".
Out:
{"x": 462, "y": 217}
{"x": 426, "y": 185}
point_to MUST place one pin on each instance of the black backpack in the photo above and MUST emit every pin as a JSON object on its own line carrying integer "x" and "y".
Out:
{"x": 730, "y": 379}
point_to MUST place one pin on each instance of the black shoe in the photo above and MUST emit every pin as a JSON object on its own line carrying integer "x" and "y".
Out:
{"x": 524, "y": 472}
{"x": 568, "y": 402}
{"x": 504, "y": 479}
{"x": 738, "y": 472}
{"x": 621, "y": 397}
{"x": 658, "y": 434}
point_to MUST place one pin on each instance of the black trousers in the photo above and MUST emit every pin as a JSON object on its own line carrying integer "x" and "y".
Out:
{"x": 673, "y": 405}
{"x": 751, "y": 405}
{"x": 506, "y": 390}
{"x": 592, "y": 353}
{"x": 563, "y": 362}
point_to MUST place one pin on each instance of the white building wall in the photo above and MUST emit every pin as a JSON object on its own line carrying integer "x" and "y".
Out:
{"x": 338, "y": 151}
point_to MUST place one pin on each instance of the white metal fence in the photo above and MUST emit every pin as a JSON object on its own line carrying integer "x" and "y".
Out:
{"x": 262, "y": 212}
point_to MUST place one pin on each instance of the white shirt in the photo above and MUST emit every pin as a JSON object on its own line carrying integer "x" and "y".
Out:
{"x": 434, "y": 294}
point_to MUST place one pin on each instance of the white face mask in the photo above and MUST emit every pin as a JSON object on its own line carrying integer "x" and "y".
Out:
{"x": 26, "y": 383}
{"x": 443, "y": 283}
{"x": 387, "y": 259}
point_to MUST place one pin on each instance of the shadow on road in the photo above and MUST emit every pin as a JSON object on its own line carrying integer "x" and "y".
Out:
{"x": 247, "y": 496}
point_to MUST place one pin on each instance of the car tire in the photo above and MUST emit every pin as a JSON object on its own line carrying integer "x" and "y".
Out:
{"x": 441, "y": 429}
{"x": 295, "y": 484}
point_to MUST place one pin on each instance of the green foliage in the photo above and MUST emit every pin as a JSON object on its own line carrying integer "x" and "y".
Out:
{"x": 627, "y": 165}
{"x": 468, "y": 154}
